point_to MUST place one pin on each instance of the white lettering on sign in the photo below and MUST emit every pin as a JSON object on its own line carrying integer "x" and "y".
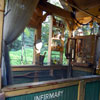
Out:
{"x": 49, "y": 96}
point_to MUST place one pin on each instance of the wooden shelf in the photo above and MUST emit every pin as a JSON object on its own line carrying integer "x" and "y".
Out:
{"x": 56, "y": 35}
{"x": 54, "y": 38}
{"x": 57, "y": 49}
{"x": 62, "y": 28}
{"x": 80, "y": 64}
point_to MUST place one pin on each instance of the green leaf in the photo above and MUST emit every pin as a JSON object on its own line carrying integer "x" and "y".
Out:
{"x": 27, "y": 32}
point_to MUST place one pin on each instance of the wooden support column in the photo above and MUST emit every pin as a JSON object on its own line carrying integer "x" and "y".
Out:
{"x": 61, "y": 57}
{"x": 99, "y": 31}
{"x": 38, "y": 31}
{"x": 81, "y": 90}
{"x": 98, "y": 53}
{"x": 69, "y": 71}
{"x": 61, "y": 53}
{"x": 38, "y": 37}
{"x": 38, "y": 15}
{"x": 34, "y": 51}
{"x": 36, "y": 76}
{"x": 49, "y": 42}
{"x": 1, "y": 32}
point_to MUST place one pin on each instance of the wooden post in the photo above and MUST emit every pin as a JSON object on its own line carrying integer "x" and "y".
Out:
{"x": 70, "y": 59}
{"x": 38, "y": 37}
{"x": 34, "y": 50}
{"x": 1, "y": 32}
{"x": 81, "y": 90}
{"x": 50, "y": 41}
{"x": 51, "y": 72}
{"x": 36, "y": 76}
{"x": 38, "y": 21}
{"x": 61, "y": 57}
{"x": 61, "y": 52}
{"x": 99, "y": 95}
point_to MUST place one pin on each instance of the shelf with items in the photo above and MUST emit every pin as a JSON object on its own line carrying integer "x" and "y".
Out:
{"x": 58, "y": 24}
{"x": 57, "y": 41}
{"x": 58, "y": 27}
{"x": 55, "y": 57}
{"x": 57, "y": 48}
{"x": 55, "y": 38}
{"x": 82, "y": 50}
{"x": 57, "y": 45}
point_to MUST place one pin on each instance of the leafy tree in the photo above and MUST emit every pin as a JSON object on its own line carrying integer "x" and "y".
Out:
{"x": 16, "y": 45}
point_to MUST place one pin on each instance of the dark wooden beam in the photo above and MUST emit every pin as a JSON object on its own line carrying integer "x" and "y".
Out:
{"x": 37, "y": 18}
{"x": 85, "y": 10}
{"x": 85, "y": 4}
{"x": 54, "y": 10}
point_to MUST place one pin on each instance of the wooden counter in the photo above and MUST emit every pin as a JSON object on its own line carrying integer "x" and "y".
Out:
{"x": 22, "y": 89}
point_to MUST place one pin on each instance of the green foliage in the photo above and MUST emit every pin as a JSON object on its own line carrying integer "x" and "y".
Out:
{"x": 86, "y": 30}
{"x": 15, "y": 50}
{"x": 27, "y": 32}
{"x": 16, "y": 45}
{"x": 15, "y": 57}
{"x": 96, "y": 27}
{"x": 28, "y": 40}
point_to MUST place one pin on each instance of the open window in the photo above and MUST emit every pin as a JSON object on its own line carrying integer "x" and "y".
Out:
{"x": 48, "y": 42}
{"x": 49, "y": 79}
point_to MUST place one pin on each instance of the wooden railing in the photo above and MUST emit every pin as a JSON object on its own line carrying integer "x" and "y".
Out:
{"x": 33, "y": 73}
{"x": 38, "y": 87}
{"x": 36, "y": 73}
{"x": 34, "y": 68}
{"x": 39, "y": 68}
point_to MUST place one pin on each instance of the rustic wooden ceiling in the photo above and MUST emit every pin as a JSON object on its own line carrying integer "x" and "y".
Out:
{"x": 75, "y": 12}
{"x": 83, "y": 8}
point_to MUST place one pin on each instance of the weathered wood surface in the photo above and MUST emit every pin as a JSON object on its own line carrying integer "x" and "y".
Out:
{"x": 83, "y": 69}
{"x": 40, "y": 68}
{"x": 54, "y": 10}
{"x": 81, "y": 90}
{"x": 37, "y": 68}
{"x": 1, "y": 31}
{"x": 22, "y": 89}
{"x": 50, "y": 40}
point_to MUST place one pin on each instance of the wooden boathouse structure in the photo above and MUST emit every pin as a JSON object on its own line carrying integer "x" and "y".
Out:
{"x": 80, "y": 80}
